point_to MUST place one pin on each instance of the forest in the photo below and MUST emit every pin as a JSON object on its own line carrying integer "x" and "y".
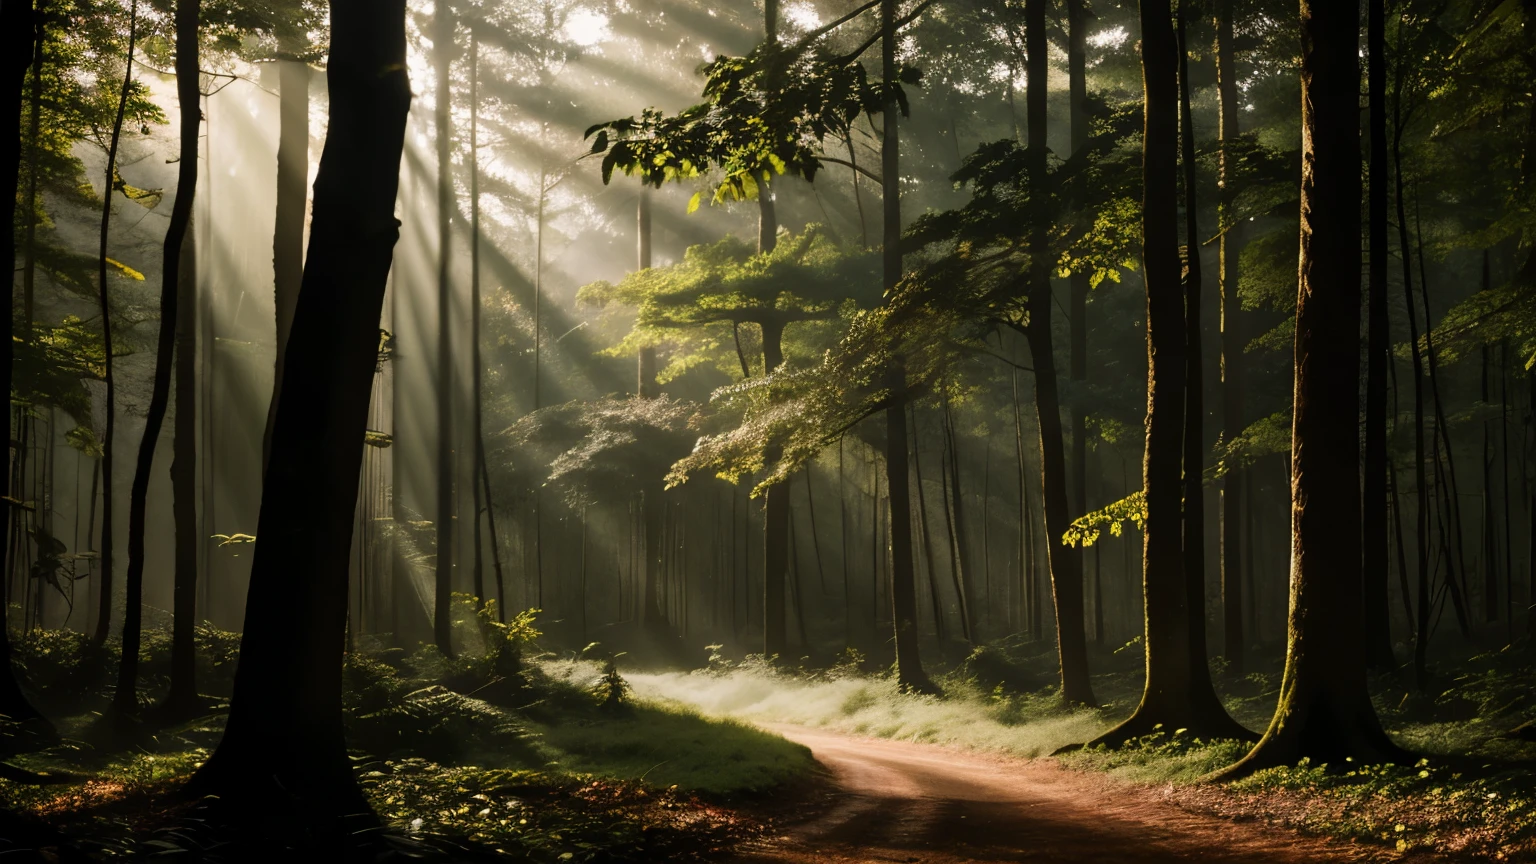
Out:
{"x": 820, "y": 431}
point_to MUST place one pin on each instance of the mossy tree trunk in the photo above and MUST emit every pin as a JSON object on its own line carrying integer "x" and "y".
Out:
{"x": 284, "y": 748}
{"x": 1325, "y": 711}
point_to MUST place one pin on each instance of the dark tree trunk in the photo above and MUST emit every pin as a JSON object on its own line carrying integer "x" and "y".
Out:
{"x": 1178, "y": 692}
{"x": 482, "y": 494}
{"x": 104, "y": 612}
{"x": 17, "y": 32}
{"x": 288, "y": 227}
{"x": 284, "y": 745}
{"x": 1065, "y": 561}
{"x": 1206, "y": 706}
{"x": 1325, "y": 711}
{"x": 442, "y": 606}
{"x": 1373, "y": 514}
{"x": 1077, "y": 82}
{"x": 1232, "y": 337}
{"x": 125, "y": 703}
{"x": 909, "y": 667}
{"x": 181, "y": 701}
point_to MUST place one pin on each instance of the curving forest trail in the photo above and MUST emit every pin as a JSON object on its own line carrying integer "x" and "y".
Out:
{"x": 897, "y": 801}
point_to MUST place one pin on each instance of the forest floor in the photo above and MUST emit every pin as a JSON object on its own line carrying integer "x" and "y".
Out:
{"x": 576, "y": 760}
{"x": 909, "y": 777}
{"x": 902, "y": 801}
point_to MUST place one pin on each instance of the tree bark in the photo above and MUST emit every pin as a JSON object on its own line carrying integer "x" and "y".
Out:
{"x": 181, "y": 701}
{"x": 1077, "y": 85}
{"x": 1232, "y": 338}
{"x": 1065, "y": 561}
{"x": 645, "y": 385}
{"x": 909, "y": 667}
{"x": 1177, "y": 692}
{"x": 1325, "y": 711}
{"x": 284, "y": 744}
{"x": 104, "y": 613}
{"x": 17, "y": 31}
{"x": 1202, "y": 692}
{"x": 288, "y": 226}
{"x": 442, "y": 607}
{"x": 125, "y": 702}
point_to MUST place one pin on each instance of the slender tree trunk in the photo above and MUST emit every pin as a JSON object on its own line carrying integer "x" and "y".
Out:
{"x": 1202, "y": 692}
{"x": 1066, "y": 561}
{"x": 1177, "y": 692}
{"x": 104, "y": 613}
{"x": 1232, "y": 339}
{"x": 1421, "y": 480}
{"x": 125, "y": 703}
{"x": 1378, "y": 618}
{"x": 1077, "y": 75}
{"x": 1457, "y": 568}
{"x": 810, "y": 512}
{"x": 954, "y": 517}
{"x": 909, "y": 668}
{"x": 922, "y": 520}
{"x": 288, "y": 228}
{"x": 1509, "y": 536}
{"x": 181, "y": 701}
{"x": 16, "y": 34}
{"x": 482, "y": 495}
{"x": 442, "y": 614}
{"x": 1325, "y": 711}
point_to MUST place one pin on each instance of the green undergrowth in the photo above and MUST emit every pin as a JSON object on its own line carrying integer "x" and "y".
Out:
{"x": 495, "y": 749}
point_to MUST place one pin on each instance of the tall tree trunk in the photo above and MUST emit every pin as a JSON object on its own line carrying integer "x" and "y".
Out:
{"x": 288, "y": 227}
{"x": 1373, "y": 515}
{"x": 17, "y": 32}
{"x": 1177, "y": 692}
{"x": 442, "y": 607}
{"x": 1325, "y": 711}
{"x": 482, "y": 491}
{"x": 104, "y": 613}
{"x": 1232, "y": 338}
{"x": 1490, "y": 539}
{"x": 284, "y": 742}
{"x": 1202, "y": 692}
{"x": 125, "y": 703}
{"x": 909, "y": 667}
{"x": 181, "y": 701}
{"x": 1066, "y": 561}
{"x": 1077, "y": 85}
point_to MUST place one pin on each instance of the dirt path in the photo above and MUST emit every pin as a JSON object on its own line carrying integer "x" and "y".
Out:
{"x": 895, "y": 801}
